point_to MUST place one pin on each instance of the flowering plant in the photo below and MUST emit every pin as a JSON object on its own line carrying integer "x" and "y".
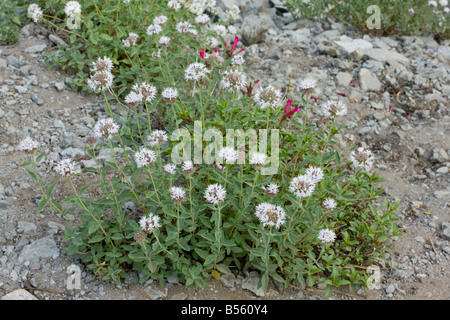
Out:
{"x": 295, "y": 207}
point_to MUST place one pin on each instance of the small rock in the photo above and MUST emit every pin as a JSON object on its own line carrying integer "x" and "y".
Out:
{"x": 343, "y": 79}
{"x": 26, "y": 227}
{"x": 251, "y": 284}
{"x": 41, "y": 248}
{"x": 384, "y": 55}
{"x": 37, "y": 100}
{"x": 179, "y": 296}
{"x": 155, "y": 293}
{"x": 59, "y": 86}
{"x": 441, "y": 194}
{"x": 389, "y": 289}
{"x": 21, "y": 89}
{"x": 254, "y": 28}
{"x": 13, "y": 61}
{"x": 369, "y": 81}
{"x": 56, "y": 40}
{"x": 439, "y": 155}
{"x": 36, "y": 48}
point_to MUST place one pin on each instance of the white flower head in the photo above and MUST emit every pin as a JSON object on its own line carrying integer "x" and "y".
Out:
{"x": 362, "y": 158}
{"x": 131, "y": 40}
{"x": 258, "y": 159}
{"x": 271, "y": 189}
{"x": 160, "y": 19}
{"x": 105, "y": 128}
{"x": 65, "y": 167}
{"x": 270, "y": 215}
{"x": 157, "y": 137}
{"x": 220, "y": 29}
{"x": 432, "y": 3}
{"x": 188, "y": 167}
{"x": 35, "y": 12}
{"x": 330, "y": 204}
{"x": 177, "y": 194}
{"x": 202, "y": 19}
{"x": 315, "y": 174}
{"x": 267, "y": 97}
{"x": 153, "y": 29}
{"x": 134, "y": 98}
{"x": 302, "y": 186}
{"x": 195, "y": 71}
{"x": 233, "y": 79}
{"x": 149, "y": 223}
{"x": 443, "y": 3}
{"x": 169, "y": 94}
{"x": 156, "y": 54}
{"x": 28, "y": 145}
{"x": 100, "y": 81}
{"x": 228, "y": 155}
{"x": 170, "y": 168}
{"x": 72, "y": 9}
{"x": 308, "y": 85}
{"x": 164, "y": 41}
{"x": 215, "y": 194}
{"x": 102, "y": 64}
{"x": 233, "y": 13}
{"x": 147, "y": 91}
{"x": 332, "y": 109}
{"x": 144, "y": 157}
{"x": 174, "y": 5}
{"x": 238, "y": 60}
{"x": 326, "y": 235}
{"x": 197, "y": 7}
{"x": 183, "y": 27}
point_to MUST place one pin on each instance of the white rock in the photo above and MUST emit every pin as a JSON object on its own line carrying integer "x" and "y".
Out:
{"x": 19, "y": 294}
{"x": 369, "y": 80}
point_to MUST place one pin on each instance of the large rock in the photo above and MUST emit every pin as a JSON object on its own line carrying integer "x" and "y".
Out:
{"x": 369, "y": 80}
{"x": 350, "y": 45}
{"x": 254, "y": 28}
{"x": 384, "y": 55}
{"x": 41, "y": 248}
{"x": 36, "y": 48}
{"x": 19, "y": 294}
{"x": 251, "y": 283}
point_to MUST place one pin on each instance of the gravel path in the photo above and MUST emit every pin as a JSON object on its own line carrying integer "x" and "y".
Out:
{"x": 369, "y": 74}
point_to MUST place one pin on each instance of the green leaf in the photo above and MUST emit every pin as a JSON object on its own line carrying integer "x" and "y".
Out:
{"x": 50, "y": 189}
{"x": 117, "y": 236}
{"x": 42, "y": 204}
{"x": 96, "y": 238}
{"x": 328, "y": 291}
{"x": 106, "y": 37}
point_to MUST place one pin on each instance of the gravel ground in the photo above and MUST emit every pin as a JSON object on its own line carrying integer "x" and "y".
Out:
{"x": 411, "y": 144}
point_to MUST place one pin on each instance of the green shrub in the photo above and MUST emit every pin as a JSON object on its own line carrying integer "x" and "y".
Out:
{"x": 285, "y": 200}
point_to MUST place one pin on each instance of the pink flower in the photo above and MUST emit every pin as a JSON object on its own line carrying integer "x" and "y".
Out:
{"x": 230, "y": 52}
{"x": 288, "y": 113}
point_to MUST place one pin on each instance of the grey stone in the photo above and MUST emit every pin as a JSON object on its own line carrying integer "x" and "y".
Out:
{"x": 251, "y": 284}
{"x": 155, "y": 293}
{"x": 21, "y": 89}
{"x": 369, "y": 80}
{"x": 441, "y": 194}
{"x": 445, "y": 234}
{"x": 439, "y": 155}
{"x": 179, "y": 296}
{"x": 389, "y": 289}
{"x": 350, "y": 45}
{"x": 19, "y": 294}
{"x": 26, "y": 227}
{"x": 384, "y": 55}
{"x": 37, "y": 100}
{"x": 343, "y": 79}
{"x": 59, "y": 86}
{"x": 36, "y": 48}
{"x": 57, "y": 40}
{"x": 13, "y": 61}
{"x": 41, "y": 248}
{"x": 3, "y": 63}
{"x": 228, "y": 281}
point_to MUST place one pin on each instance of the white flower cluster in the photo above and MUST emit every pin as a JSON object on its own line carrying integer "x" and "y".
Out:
{"x": 144, "y": 157}
{"x": 142, "y": 91}
{"x": 157, "y": 137}
{"x": 308, "y": 85}
{"x": 332, "y": 109}
{"x": 35, "y": 12}
{"x": 149, "y": 223}
{"x": 258, "y": 159}
{"x": 267, "y": 97}
{"x": 362, "y": 158}
{"x": 215, "y": 194}
{"x": 72, "y": 9}
{"x": 303, "y": 186}
{"x": 174, "y": 5}
{"x": 271, "y": 189}
{"x": 233, "y": 79}
{"x": 164, "y": 41}
{"x": 327, "y": 235}
{"x": 65, "y": 167}
{"x": 131, "y": 40}
{"x": 177, "y": 194}
{"x": 195, "y": 71}
{"x": 105, "y": 128}
{"x": 330, "y": 204}
{"x": 153, "y": 29}
{"x": 170, "y": 168}
{"x": 228, "y": 155}
{"x": 102, "y": 78}
{"x": 188, "y": 167}
{"x": 169, "y": 94}
{"x": 270, "y": 215}
{"x": 28, "y": 145}
{"x": 233, "y": 13}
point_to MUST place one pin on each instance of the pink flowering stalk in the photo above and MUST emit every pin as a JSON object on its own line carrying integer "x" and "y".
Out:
{"x": 230, "y": 51}
{"x": 287, "y": 112}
